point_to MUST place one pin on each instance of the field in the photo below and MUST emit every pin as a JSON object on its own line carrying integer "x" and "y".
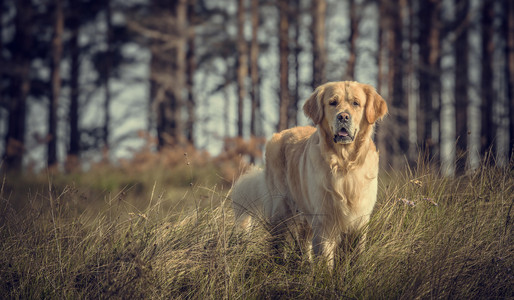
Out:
{"x": 107, "y": 234}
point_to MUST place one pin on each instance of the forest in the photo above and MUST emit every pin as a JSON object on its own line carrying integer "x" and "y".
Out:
{"x": 84, "y": 81}
{"x": 124, "y": 124}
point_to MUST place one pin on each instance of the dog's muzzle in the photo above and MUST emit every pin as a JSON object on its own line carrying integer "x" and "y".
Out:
{"x": 345, "y": 133}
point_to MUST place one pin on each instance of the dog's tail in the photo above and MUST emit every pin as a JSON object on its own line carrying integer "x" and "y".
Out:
{"x": 248, "y": 197}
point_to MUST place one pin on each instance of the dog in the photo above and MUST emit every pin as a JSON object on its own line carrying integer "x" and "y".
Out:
{"x": 324, "y": 177}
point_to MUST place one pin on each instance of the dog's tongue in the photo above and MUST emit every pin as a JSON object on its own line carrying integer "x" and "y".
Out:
{"x": 342, "y": 132}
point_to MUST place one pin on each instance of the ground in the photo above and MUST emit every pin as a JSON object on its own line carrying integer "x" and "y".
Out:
{"x": 72, "y": 237}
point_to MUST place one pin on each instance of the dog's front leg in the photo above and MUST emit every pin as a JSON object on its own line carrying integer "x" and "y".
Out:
{"x": 322, "y": 245}
{"x": 304, "y": 240}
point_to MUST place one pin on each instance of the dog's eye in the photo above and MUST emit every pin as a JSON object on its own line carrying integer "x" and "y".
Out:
{"x": 355, "y": 103}
{"x": 332, "y": 102}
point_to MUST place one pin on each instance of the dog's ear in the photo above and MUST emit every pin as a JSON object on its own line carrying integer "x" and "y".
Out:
{"x": 376, "y": 106}
{"x": 313, "y": 107}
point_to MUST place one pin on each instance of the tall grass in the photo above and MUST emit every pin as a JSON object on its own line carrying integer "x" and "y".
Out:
{"x": 429, "y": 237}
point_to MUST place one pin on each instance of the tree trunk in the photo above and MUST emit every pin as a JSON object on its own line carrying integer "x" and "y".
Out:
{"x": 107, "y": 77}
{"x": 399, "y": 144}
{"x": 461, "y": 85}
{"x": 381, "y": 127}
{"x": 319, "y": 58}
{"x": 72, "y": 160}
{"x": 157, "y": 95}
{"x": 242, "y": 65}
{"x": 295, "y": 17}
{"x": 425, "y": 111}
{"x": 487, "y": 92}
{"x": 352, "y": 41}
{"x": 167, "y": 69}
{"x": 22, "y": 57}
{"x": 180, "y": 71}
{"x": 254, "y": 72}
{"x": 283, "y": 9}
{"x": 429, "y": 72}
{"x": 154, "y": 116}
{"x": 509, "y": 68}
{"x": 435, "y": 67}
{"x": 191, "y": 67}
{"x": 55, "y": 78}
{"x": 410, "y": 70}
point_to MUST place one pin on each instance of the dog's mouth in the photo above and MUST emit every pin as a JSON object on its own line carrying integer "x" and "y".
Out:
{"x": 344, "y": 136}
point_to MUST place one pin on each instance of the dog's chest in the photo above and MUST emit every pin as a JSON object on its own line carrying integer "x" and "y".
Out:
{"x": 349, "y": 186}
{"x": 356, "y": 190}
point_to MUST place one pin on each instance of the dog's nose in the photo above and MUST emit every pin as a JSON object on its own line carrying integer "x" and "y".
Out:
{"x": 344, "y": 117}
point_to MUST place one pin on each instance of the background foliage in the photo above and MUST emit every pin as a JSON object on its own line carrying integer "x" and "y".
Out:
{"x": 83, "y": 81}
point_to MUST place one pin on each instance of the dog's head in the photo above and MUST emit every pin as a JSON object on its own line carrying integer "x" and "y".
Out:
{"x": 344, "y": 109}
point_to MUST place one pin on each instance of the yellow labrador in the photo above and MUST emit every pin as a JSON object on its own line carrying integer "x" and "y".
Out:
{"x": 325, "y": 176}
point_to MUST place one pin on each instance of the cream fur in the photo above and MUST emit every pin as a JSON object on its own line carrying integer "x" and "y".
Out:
{"x": 249, "y": 195}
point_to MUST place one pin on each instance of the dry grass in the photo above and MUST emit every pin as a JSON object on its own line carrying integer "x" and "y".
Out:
{"x": 430, "y": 237}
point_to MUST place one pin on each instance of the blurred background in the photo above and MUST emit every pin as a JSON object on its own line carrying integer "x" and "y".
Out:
{"x": 140, "y": 83}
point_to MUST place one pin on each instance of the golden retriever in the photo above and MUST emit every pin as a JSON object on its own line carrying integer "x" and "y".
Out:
{"x": 323, "y": 177}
